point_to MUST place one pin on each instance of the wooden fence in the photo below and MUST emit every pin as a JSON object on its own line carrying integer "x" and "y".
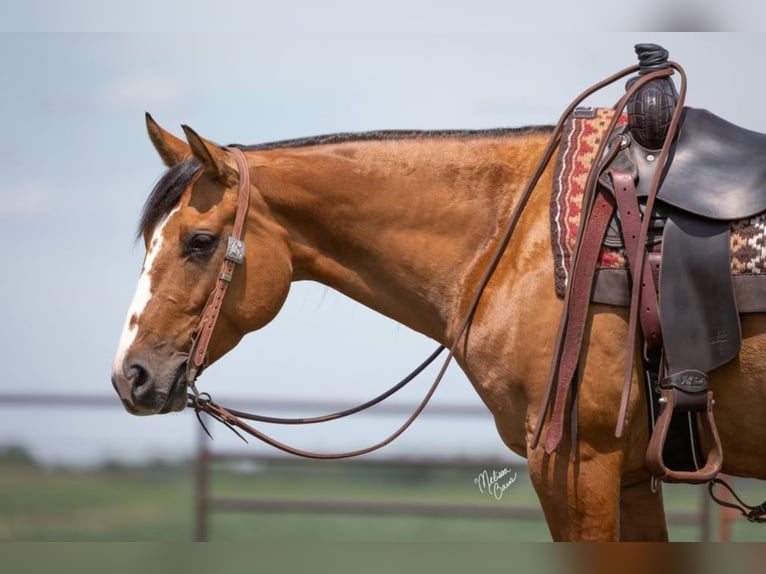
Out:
{"x": 206, "y": 456}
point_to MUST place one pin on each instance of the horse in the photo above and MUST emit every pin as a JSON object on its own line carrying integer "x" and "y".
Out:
{"x": 406, "y": 223}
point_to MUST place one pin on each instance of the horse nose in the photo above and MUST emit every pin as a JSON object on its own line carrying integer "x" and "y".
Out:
{"x": 133, "y": 382}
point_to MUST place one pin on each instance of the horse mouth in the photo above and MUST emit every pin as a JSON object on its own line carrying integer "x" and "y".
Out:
{"x": 176, "y": 398}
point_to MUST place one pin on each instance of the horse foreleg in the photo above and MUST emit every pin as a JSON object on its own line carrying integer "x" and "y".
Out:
{"x": 642, "y": 515}
{"x": 581, "y": 498}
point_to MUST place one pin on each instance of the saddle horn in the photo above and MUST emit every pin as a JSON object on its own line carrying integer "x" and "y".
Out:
{"x": 650, "y": 109}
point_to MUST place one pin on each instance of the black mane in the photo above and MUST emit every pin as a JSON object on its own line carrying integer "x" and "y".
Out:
{"x": 168, "y": 190}
{"x": 350, "y": 137}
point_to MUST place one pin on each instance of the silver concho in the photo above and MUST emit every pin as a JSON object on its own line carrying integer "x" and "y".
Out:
{"x": 235, "y": 250}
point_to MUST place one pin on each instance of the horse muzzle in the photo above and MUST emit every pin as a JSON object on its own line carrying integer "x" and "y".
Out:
{"x": 148, "y": 387}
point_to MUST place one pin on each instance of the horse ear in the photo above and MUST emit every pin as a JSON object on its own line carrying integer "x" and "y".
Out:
{"x": 172, "y": 150}
{"x": 210, "y": 155}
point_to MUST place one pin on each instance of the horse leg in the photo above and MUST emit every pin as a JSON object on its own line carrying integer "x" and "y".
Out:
{"x": 642, "y": 514}
{"x": 584, "y": 498}
{"x": 580, "y": 498}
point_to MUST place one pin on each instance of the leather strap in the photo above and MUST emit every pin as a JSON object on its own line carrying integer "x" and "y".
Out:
{"x": 643, "y": 234}
{"x": 630, "y": 221}
{"x": 235, "y": 253}
{"x": 577, "y": 313}
{"x": 752, "y": 513}
{"x": 203, "y": 403}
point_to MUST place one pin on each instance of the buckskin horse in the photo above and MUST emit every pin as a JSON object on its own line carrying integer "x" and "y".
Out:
{"x": 407, "y": 223}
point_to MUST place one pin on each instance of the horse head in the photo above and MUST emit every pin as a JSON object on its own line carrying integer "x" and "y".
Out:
{"x": 185, "y": 225}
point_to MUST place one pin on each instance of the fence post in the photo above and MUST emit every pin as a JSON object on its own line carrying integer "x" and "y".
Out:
{"x": 705, "y": 510}
{"x": 201, "y": 503}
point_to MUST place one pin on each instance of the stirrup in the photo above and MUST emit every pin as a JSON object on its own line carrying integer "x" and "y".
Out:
{"x": 686, "y": 391}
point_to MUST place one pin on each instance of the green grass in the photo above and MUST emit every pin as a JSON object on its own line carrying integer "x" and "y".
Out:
{"x": 94, "y": 505}
{"x": 158, "y": 505}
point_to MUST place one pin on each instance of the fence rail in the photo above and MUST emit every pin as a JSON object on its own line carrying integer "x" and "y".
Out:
{"x": 206, "y": 502}
{"x": 206, "y": 456}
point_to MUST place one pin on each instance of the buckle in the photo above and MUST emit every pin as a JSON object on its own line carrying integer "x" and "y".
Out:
{"x": 235, "y": 250}
{"x": 584, "y": 112}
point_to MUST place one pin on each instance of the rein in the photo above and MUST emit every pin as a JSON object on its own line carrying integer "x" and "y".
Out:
{"x": 202, "y": 402}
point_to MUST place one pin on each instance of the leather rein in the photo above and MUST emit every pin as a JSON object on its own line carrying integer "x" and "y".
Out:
{"x": 235, "y": 254}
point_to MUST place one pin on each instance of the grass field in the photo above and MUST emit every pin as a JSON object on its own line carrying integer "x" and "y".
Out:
{"x": 157, "y": 504}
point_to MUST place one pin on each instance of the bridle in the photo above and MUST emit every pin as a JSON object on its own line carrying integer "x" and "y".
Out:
{"x": 235, "y": 252}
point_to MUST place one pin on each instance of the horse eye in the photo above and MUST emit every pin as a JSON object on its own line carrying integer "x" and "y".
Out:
{"x": 201, "y": 244}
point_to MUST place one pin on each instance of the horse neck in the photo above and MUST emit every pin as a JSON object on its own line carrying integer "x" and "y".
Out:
{"x": 398, "y": 225}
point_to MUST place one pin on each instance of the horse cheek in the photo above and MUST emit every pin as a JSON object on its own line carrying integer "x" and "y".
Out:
{"x": 267, "y": 287}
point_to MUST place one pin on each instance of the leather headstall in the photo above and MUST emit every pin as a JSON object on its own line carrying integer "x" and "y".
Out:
{"x": 235, "y": 254}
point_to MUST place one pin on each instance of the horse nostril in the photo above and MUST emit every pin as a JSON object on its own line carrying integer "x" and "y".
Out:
{"x": 137, "y": 375}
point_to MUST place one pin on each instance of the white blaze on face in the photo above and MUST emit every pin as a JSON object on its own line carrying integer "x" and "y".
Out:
{"x": 142, "y": 296}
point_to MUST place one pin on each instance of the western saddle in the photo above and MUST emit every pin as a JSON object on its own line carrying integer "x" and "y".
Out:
{"x": 694, "y": 174}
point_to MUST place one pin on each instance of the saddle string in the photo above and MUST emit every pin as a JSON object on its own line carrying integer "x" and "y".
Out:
{"x": 651, "y": 57}
{"x": 205, "y": 404}
{"x": 752, "y": 513}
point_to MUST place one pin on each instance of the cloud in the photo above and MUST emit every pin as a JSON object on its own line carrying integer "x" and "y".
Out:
{"x": 29, "y": 198}
{"x": 143, "y": 90}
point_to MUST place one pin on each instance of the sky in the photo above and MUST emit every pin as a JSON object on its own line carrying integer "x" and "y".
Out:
{"x": 77, "y": 166}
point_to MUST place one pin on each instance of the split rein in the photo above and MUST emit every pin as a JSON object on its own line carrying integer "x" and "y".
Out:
{"x": 235, "y": 253}
{"x": 233, "y": 419}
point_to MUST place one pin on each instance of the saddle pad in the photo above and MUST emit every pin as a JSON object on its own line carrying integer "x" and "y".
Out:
{"x": 580, "y": 140}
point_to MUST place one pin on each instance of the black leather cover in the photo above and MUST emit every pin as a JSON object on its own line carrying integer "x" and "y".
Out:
{"x": 700, "y": 323}
{"x": 716, "y": 169}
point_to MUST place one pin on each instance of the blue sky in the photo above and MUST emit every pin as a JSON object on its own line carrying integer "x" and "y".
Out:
{"x": 77, "y": 167}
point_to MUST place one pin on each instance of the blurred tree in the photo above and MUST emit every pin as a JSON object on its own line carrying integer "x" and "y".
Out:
{"x": 16, "y": 456}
